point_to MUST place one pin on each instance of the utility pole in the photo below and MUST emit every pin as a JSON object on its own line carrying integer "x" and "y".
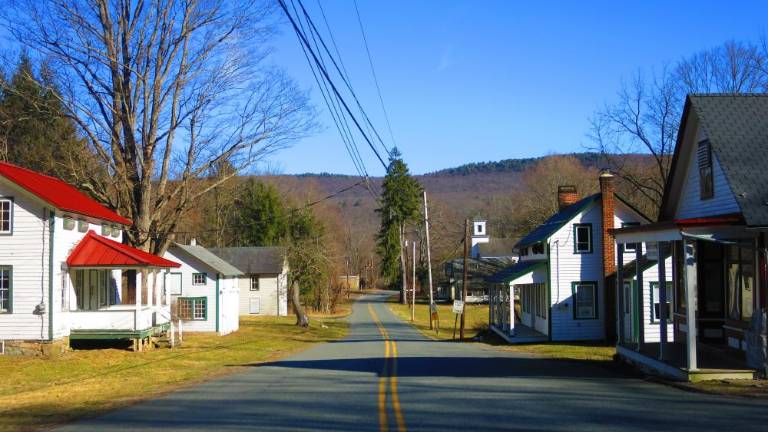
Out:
{"x": 403, "y": 267}
{"x": 464, "y": 277}
{"x": 413, "y": 283}
{"x": 429, "y": 260}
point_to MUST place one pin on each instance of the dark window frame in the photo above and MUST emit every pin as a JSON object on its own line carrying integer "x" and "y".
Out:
{"x": 655, "y": 285}
{"x": 10, "y": 201}
{"x": 257, "y": 278}
{"x": 205, "y": 279}
{"x": 193, "y": 302}
{"x": 9, "y": 299}
{"x": 595, "y": 303}
{"x": 630, "y": 247}
{"x": 576, "y": 238}
{"x": 706, "y": 170}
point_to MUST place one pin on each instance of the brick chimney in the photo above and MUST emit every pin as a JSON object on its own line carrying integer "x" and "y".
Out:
{"x": 607, "y": 193}
{"x": 566, "y": 195}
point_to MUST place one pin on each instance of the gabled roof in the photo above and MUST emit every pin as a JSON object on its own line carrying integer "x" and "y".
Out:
{"x": 58, "y": 193}
{"x": 97, "y": 251}
{"x": 207, "y": 257}
{"x": 556, "y": 221}
{"x": 254, "y": 260}
{"x": 737, "y": 128}
{"x": 515, "y": 271}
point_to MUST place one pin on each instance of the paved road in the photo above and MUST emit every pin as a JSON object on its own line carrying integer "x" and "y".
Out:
{"x": 386, "y": 374}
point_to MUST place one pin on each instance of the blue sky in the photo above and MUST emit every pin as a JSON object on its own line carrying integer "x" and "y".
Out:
{"x": 469, "y": 81}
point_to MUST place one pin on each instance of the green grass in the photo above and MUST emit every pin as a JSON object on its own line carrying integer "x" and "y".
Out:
{"x": 743, "y": 388}
{"x": 585, "y": 351}
{"x": 476, "y": 321}
{"x": 38, "y": 393}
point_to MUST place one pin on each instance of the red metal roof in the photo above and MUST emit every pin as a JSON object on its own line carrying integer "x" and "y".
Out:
{"x": 58, "y": 193}
{"x": 97, "y": 251}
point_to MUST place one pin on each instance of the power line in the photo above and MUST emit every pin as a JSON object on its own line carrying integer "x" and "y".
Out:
{"x": 344, "y": 78}
{"x": 373, "y": 72}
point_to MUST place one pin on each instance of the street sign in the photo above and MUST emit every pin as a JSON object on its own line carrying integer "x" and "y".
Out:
{"x": 458, "y": 306}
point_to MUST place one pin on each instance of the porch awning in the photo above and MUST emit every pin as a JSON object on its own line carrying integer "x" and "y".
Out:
{"x": 514, "y": 272}
{"x": 720, "y": 226}
{"x": 97, "y": 251}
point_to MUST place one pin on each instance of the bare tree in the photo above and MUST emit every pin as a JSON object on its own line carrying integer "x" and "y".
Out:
{"x": 644, "y": 119}
{"x": 164, "y": 91}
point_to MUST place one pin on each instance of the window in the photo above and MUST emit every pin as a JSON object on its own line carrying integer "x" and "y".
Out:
{"x": 704, "y": 156}
{"x": 254, "y": 282}
{"x": 6, "y": 216}
{"x": 82, "y": 226}
{"x": 6, "y": 285}
{"x": 106, "y": 230}
{"x": 656, "y": 301}
{"x": 193, "y": 308}
{"x": 582, "y": 236}
{"x": 479, "y": 229}
{"x": 199, "y": 278}
{"x": 630, "y": 247}
{"x": 115, "y": 231}
{"x": 524, "y": 251}
{"x": 537, "y": 249}
{"x": 584, "y": 300}
{"x": 80, "y": 288}
{"x": 740, "y": 274}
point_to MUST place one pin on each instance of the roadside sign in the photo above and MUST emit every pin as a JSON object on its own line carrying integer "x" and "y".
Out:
{"x": 458, "y": 307}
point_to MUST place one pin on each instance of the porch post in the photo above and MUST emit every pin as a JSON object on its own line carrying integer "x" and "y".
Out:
{"x": 662, "y": 267}
{"x": 639, "y": 277}
{"x": 689, "y": 275}
{"x": 150, "y": 288}
{"x": 620, "y": 293}
{"x": 168, "y": 292}
{"x": 157, "y": 290}
{"x": 491, "y": 303}
{"x": 139, "y": 293}
{"x": 511, "y": 309}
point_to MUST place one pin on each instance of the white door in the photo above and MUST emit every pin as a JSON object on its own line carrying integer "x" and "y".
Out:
{"x": 254, "y": 307}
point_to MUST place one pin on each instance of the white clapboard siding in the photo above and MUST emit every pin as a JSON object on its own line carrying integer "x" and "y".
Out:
{"x": 27, "y": 252}
{"x": 567, "y": 267}
{"x": 690, "y": 204}
{"x": 189, "y": 266}
{"x": 271, "y": 295}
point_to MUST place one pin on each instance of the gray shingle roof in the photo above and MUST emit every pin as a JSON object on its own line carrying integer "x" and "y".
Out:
{"x": 254, "y": 260}
{"x": 737, "y": 128}
{"x": 207, "y": 257}
{"x": 515, "y": 271}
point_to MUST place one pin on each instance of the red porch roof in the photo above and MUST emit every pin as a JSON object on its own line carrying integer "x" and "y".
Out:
{"x": 58, "y": 193}
{"x": 97, "y": 251}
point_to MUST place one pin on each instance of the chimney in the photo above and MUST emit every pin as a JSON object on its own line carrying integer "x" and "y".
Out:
{"x": 607, "y": 194}
{"x": 566, "y": 195}
{"x": 193, "y": 242}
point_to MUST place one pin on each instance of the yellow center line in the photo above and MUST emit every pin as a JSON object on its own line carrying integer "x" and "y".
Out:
{"x": 390, "y": 352}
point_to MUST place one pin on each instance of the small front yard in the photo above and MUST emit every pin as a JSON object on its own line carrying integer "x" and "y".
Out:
{"x": 476, "y": 320}
{"x": 37, "y": 393}
{"x": 585, "y": 351}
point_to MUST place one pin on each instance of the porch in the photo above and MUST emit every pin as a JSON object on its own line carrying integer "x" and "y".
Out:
{"x": 703, "y": 310}
{"x": 521, "y": 334}
{"x": 118, "y": 292}
{"x": 518, "y": 306}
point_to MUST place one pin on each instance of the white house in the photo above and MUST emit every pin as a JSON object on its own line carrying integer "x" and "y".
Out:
{"x": 563, "y": 288}
{"x": 712, "y": 220}
{"x": 64, "y": 272}
{"x": 264, "y": 289}
{"x": 204, "y": 290}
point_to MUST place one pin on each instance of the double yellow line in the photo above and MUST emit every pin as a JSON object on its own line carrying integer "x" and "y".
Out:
{"x": 388, "y": 375}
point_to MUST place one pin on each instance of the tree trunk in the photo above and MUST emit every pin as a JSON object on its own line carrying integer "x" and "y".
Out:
{"x": 302, "y": 319}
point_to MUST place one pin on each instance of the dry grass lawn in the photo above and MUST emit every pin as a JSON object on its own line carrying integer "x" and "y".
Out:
{"x": 476, "y": 321}
{"x": 37, "y": 393}
{"x": 566, "y": 350}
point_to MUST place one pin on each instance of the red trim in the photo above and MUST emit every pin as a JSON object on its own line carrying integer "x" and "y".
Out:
{"x": 58, "y": 193}
{"x": 97, "y": 251}
{"x": 730, "y": 219}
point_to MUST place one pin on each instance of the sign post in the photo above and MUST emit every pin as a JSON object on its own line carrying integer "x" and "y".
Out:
{"x": 458, "y": 309}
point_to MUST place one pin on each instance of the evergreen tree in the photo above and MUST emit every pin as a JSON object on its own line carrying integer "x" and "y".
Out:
{"x": 261, "y": 216}
{"x": 400, "y": 205}
{"x": 34, "y": 131}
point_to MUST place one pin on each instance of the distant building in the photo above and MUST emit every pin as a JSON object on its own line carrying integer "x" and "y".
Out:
{"x": 264, "y": 289}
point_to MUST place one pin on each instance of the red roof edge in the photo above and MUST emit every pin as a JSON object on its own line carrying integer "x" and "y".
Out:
{"x": 93, "y": 245}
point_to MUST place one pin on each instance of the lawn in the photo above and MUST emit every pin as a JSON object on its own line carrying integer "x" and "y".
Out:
{"x": 584, "y": 351}
{"x": 37, "y": 393}
{"x": 476, "y": 321}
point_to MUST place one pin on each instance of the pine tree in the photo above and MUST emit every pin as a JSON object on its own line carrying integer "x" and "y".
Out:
{"x": 400, "y": 205}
